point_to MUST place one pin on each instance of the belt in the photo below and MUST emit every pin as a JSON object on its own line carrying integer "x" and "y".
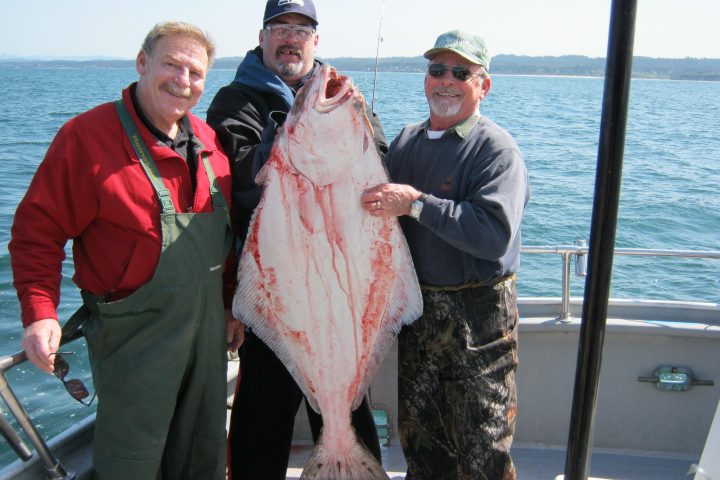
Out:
{"x": 455, "y": 288}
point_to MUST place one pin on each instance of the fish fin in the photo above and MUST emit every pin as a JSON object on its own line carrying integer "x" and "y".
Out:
{"x": 252, "y": 289}
{"x": 262, "y": 174}
{"x": 404, "y": 306}
{"x": 357, "y": 464}
{"x": 309, "y": 397}
{"x": 368, "y": 124}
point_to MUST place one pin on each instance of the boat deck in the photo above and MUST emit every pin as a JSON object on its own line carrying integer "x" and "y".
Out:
{"x": 634, "y": 420}
{"x": 640, "y": 432}
{"x": 544, "y": 463}
{"x": 533, "y": 462}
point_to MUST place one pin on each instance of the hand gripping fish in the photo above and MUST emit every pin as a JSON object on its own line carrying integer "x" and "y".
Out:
{"x": 326, "y": 285}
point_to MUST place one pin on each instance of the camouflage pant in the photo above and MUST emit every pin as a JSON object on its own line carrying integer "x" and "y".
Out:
{"x": 457, "y": 397}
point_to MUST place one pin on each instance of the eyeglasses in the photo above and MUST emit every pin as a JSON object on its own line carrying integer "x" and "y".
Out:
{"x": 76, "y": 388}
{"x": 281, "y": 31}
{"x": 438, "y": 70}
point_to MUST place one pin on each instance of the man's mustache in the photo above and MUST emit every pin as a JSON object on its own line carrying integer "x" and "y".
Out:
{"x": 175, "y": 90}
{"x": 446, "y": 91}
{"x": 288, "y": 49}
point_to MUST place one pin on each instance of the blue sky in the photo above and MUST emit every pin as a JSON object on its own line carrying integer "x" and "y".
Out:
{"x": 72, "y": 28}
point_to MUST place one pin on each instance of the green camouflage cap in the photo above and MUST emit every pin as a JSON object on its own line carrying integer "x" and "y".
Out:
{"x": 469, "y": 46}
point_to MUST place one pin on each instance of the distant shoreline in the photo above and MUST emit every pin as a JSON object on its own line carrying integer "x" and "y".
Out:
{"x": 707, "y": 69}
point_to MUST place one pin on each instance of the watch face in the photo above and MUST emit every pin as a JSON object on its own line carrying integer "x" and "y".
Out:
{"x": 415, "y": 209}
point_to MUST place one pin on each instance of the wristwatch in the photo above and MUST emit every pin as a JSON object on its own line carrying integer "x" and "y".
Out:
{"x": 417, "y": 206}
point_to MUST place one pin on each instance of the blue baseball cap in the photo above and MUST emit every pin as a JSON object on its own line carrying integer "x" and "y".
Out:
{"x": 275, "y": 8}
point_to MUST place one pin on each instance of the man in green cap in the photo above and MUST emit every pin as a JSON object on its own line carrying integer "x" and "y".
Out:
{"x": 460, "y": 188}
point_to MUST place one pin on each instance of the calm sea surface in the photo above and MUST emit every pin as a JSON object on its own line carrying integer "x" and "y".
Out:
{"x": 669, "y": 194}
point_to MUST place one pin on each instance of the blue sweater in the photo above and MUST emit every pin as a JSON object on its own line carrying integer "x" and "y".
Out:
{"x": 477, "y": 186}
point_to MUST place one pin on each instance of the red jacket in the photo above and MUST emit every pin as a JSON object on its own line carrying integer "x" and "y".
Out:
{"x": 92, "y": 189}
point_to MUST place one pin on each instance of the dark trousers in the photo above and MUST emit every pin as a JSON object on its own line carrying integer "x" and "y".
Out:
{"x": 263, "y": 416}
{"x": 456, "y": 381}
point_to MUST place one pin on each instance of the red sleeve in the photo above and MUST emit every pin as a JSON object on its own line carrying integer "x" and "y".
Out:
{"x": 58, "y": 205}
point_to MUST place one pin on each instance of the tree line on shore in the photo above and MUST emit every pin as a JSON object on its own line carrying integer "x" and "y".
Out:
{"x": 569, "y": 65}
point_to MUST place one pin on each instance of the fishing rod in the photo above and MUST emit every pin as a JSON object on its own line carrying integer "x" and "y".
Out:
{"x": 377, "y": 54}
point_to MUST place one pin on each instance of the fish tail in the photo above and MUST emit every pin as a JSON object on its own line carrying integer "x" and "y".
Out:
{"x": 355, "y": 464}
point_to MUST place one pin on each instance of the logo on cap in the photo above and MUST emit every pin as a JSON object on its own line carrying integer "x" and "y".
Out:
{"x": 290, "y": 2}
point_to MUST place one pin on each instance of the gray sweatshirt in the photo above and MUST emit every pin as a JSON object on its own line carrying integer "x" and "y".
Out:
{"x": 477, "y": 186}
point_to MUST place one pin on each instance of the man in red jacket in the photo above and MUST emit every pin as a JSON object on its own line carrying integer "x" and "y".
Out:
{"x": 142, "y": 188}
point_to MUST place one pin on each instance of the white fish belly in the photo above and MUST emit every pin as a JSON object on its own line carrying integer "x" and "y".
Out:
{"x": 325, "y": 284}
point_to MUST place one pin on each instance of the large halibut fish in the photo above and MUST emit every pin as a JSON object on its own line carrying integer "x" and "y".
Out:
{"x": 326, "y": 285}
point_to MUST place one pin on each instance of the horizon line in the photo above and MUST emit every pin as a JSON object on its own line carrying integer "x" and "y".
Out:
{"x": 80, "y": 58}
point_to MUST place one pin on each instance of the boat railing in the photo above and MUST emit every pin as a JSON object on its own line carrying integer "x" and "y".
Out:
{"x": 579, "y": 251}
{"x": 53, "y": 468}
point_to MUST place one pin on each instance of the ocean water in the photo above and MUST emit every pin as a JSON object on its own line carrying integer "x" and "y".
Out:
{"x": 669, "y": 196}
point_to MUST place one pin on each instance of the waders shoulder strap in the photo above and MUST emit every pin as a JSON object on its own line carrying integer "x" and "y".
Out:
{"x": 218, "y": 200}
{"x": 145, "y": 159}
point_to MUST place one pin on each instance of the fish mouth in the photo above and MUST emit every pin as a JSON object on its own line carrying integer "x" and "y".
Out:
{"x": 334, "y": 90}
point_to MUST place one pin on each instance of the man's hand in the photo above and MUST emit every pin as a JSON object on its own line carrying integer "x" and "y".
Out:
{"x": 389, "y": 199}
{"x": 40, "y": 340}
{"x": 234, "y": 331}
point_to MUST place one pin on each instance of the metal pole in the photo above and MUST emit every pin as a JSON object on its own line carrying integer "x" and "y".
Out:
{"x": 565, "y": 312}
{"x": 11, "y": 436}
{"x": 602, "y": 236}
{"x": 53, "y": 467}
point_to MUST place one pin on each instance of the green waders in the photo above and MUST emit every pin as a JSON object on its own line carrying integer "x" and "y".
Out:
{"x": 158, "y": 357}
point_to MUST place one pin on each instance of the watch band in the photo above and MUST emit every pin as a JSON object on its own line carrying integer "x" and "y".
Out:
{"x": 417, "y": 206}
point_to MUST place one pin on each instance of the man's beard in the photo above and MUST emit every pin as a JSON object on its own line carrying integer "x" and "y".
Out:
{"x": 290, "y": 69}
{"x": 444, "y": 107}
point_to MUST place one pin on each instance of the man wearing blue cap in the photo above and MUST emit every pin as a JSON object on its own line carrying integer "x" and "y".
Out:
{"x": 461, "y": 190}
{"x": 267, "y": 398}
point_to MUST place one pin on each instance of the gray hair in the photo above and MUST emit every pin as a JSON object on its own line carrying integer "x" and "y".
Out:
{"x": 179, "y": 28}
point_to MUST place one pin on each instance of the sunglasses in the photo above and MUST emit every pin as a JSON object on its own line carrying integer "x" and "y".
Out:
{"x": 438, "y": 70}
{"x": 76, "y": 388}
{"x": 281, "y": 31}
